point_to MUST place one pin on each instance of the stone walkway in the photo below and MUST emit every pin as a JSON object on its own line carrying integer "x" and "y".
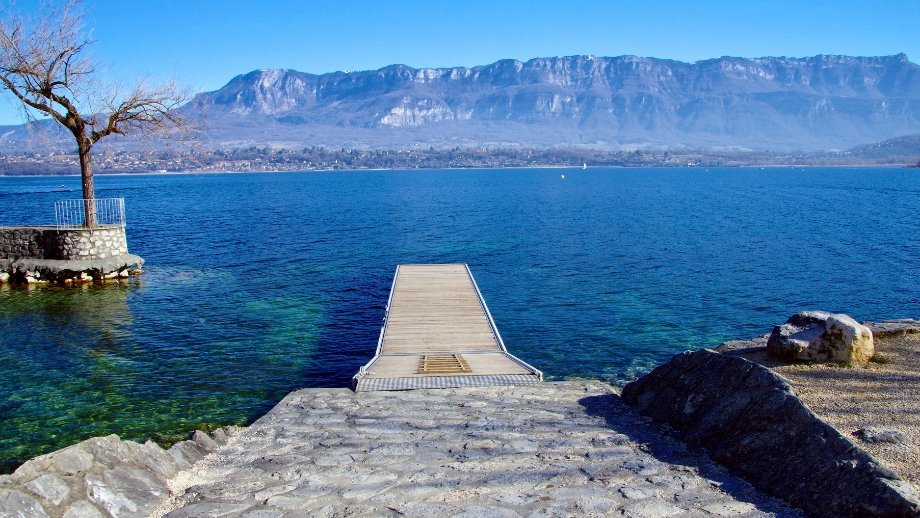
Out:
{"x": 557, "y": 449}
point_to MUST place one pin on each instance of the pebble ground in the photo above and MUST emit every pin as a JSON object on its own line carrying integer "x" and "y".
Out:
{"x": 557, "y": 449}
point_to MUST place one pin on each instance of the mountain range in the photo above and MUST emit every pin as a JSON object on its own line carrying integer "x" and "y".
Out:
{"x": 615, "y": 103}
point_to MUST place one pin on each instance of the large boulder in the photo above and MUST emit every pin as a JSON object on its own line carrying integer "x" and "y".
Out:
{"x": 821, "y": 337}
{"x": 749, "y": 419}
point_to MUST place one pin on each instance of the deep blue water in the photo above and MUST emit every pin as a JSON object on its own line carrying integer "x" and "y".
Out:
{"x": 258, "y": 284}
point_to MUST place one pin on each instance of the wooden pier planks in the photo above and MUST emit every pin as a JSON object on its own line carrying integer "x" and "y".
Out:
{"x": 436, "y": 311}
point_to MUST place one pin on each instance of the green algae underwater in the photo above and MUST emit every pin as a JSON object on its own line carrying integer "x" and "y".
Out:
{"x": 83, "y": 364}
{"x": 259, "y": 284}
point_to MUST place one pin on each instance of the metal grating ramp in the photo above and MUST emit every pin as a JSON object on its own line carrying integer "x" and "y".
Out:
{"x": 370, "y": 384}
{"x": 442, "y": 364}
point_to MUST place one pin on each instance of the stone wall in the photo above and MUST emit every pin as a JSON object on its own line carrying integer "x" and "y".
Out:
{"x": 19, "y": 242}
{"x": 51, "y": 243}
{"x": 83, "y": 244}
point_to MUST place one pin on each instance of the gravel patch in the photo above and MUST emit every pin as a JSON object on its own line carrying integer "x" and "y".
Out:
{"x": 878, "y": 404}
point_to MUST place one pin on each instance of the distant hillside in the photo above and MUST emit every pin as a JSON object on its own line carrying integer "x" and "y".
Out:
{"x": 618, "y": 103}
{"x": 907, "y": 148}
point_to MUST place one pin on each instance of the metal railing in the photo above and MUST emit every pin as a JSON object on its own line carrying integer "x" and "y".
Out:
{"x": 109, "y": 212}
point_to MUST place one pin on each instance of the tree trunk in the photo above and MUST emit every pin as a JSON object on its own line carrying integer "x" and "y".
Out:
{"x": 89, "y": 193}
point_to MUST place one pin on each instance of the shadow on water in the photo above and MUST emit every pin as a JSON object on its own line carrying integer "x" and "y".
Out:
{"x": 349, "y": 334}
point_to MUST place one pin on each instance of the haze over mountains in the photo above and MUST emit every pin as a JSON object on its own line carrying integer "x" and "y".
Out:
{"x": 626, "y": 102}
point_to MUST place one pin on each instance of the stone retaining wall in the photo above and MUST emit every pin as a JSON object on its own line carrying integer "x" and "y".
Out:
{"x": 46, "y": 254}
{"x": 19, "y": 242}
{"x": 72, "y": 244}
{"x": 83, "y": 244}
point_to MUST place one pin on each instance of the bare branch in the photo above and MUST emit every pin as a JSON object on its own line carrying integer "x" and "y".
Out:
{"x": 45, "y": 65}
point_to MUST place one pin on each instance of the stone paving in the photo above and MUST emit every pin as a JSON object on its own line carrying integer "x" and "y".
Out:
{"x": 557, "y": 449}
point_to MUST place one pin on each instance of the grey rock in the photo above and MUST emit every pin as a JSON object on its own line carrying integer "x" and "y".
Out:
{"x": 156, "y": 459}
{"x": 204, "y": 442}
{"x": 694, "y": 497}
{"x": 263, "y": 513}
{"x": 422, "y": 509}
{"x": 208, "y": 510}
{"x": 790, "y": 341}
{"x": 597, "y": 505}
{"x": 650, "y": 509}
{"x": 890, "y": 328}
{"x": 486, "y": 512}
{"x": 126, "y": 492}
{"x": 114, "y": 503}
{"x": 57, "y": 270}
{"x": 521, "y": 446}
{"x": 728, "y": 509}
{"x": 110, "y": 450}
{"x": 743, "y": 346}
{"x": 822, "y": 337}
{"x": 886, "y": 435}
{"x": 83, "y": 509}
{"x": 638, "y": 493}
{"x": 73, "y": 460}
{"x": 16, "y": 504}
{"x": 749, "y": 419}
{"x": 49, "y": 487}
{"x": 186, "y": 453}
{"x": 219, "y": 436}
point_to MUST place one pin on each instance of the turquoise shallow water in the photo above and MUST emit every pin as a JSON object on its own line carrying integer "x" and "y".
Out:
{"x": 259, "y": 284}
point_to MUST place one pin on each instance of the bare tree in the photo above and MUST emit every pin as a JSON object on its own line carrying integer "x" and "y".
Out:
{"x": 44, "y": 63}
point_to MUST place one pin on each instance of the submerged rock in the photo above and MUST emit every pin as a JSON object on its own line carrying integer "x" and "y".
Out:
{"x": 822, "y": 337}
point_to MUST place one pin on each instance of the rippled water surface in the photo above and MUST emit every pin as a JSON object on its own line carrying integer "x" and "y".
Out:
{"x": 258, "y": 284}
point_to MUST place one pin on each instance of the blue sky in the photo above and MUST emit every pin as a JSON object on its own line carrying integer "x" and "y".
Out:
{"x": 206, "y": 43}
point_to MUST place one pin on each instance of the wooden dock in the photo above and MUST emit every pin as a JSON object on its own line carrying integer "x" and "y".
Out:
{"x": 438, "y": 333}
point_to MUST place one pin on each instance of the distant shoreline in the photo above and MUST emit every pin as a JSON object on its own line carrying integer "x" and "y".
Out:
{"x": 343, "y": 170}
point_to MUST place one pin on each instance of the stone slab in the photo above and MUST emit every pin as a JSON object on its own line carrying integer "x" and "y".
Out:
{"x": 556, "y": 449}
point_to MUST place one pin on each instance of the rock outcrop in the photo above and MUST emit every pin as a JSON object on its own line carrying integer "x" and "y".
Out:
{"x": 750, "y": 420}
{"x": 890, "y": 328}
{"x": 100, "y": 477}
{"x": 822, "y": 337}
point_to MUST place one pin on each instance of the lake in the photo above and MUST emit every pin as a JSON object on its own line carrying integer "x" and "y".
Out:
{"x": 259, "y": 284}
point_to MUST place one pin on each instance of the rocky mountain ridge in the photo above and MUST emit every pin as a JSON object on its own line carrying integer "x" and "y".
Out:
{"x": 614, "y": 103}
{"x": 627, "y": 102}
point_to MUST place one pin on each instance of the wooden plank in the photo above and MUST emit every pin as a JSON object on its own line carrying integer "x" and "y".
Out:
{"x": 437, "y": 327}
{"x": 436, "y": 308}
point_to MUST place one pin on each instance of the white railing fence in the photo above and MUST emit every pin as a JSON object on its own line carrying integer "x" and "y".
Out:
{"x": 110, "y": 212}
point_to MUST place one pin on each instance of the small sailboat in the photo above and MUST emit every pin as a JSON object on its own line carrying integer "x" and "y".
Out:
{"x": 584, "y": 165}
